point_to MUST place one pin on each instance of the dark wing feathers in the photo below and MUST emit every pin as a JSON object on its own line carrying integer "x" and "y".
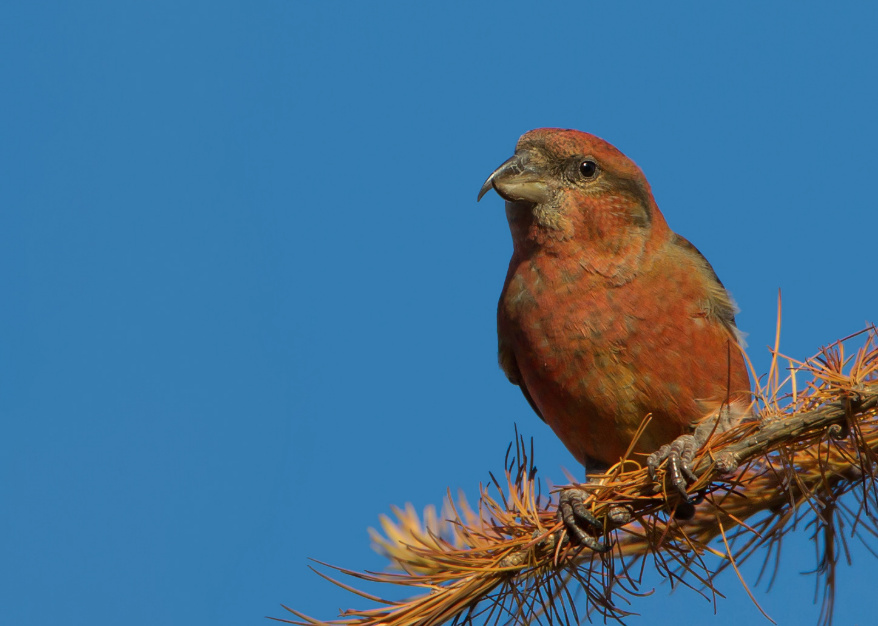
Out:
{"x": 720, "y": 303}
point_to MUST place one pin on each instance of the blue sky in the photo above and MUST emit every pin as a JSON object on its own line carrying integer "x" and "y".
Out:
{"x": 250, "y": 298}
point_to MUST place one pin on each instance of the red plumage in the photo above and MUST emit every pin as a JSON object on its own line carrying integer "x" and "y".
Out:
{"x": 606, "y": 314}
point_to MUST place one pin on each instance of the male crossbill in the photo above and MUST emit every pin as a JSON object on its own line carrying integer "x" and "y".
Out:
{"x": 606, "y": 314}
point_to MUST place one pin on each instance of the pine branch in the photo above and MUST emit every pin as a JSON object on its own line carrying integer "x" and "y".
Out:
{"x": 509, "y": 561}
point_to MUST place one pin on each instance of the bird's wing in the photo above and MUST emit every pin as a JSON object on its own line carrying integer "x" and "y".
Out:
{"x": 719, "y": 302}
{"x": 530, "y": 400}
{"x": 510, "y": 367}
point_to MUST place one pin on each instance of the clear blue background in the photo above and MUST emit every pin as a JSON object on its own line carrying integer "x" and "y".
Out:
{"x": 248, "y": 296}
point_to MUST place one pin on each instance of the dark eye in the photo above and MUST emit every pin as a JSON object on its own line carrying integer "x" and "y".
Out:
{"x": 588, "y": 169}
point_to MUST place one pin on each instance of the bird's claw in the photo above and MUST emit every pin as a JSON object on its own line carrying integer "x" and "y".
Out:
{"x": 619, "y": 514}
{"x": 679, "y": 454}
{"x": 578, "y": 520}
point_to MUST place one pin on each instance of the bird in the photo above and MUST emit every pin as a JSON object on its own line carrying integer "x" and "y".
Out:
{"x": 607, "y": 316}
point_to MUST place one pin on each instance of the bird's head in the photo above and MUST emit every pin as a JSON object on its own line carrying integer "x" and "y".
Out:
{"x": 573, "y": 192}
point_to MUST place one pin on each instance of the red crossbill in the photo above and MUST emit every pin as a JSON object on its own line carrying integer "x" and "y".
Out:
{"x": 606, "y": 314}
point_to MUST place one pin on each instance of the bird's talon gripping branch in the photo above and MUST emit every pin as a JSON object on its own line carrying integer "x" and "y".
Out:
{"x": 620, "y": 514}
{"x": 655, "y": 459}
{"x": 578, "y": 520}
{"x": 679, "y": 455}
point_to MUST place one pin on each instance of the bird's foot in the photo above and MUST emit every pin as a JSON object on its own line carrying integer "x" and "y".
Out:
{"x": 620, "y": 514}
{"x": 681, "y": 452}
{"x": 679, "y": 455}
{"x": 581, "y": 524}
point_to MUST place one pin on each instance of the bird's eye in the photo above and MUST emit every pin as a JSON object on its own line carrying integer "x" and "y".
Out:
{"x": 588, "y": 169}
